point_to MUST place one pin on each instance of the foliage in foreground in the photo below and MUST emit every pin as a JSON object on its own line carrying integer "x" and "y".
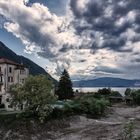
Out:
{"x": 128, "y": 131}
{"x": 105, "y": 93}
{"x": 135, "y": 94}
{"x": 85, "y": 105}
{"x": 35, "y": 96}
{"x": 90, "y": 105}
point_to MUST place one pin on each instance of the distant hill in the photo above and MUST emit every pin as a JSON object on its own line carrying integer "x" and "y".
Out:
{"x": 107, "y": 82}
{"x": 34, "y": 69}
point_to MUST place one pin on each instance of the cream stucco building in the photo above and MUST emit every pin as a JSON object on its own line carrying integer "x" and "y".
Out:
{"x": 10, "y": 73}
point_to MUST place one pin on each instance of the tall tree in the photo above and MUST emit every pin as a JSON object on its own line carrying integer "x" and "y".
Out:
{"x": 65, "y": 90}
{"x": 35, "y": 96}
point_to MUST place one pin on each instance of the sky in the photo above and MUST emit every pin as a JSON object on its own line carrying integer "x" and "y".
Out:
{"x": 89, "y": 38}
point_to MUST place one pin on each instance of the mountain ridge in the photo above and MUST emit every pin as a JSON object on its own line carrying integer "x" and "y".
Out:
{"x": 107, "y": 82}
{"x": 34, "y": 69}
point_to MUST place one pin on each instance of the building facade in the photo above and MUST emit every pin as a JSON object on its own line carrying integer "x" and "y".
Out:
{"x": 10, "y": 73}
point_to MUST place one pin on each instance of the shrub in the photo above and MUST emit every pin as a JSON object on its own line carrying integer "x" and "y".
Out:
{"x": 57, "y": 113}
{"x": 116, "y": 93}
{"x": 137, "y": 97}
{"x": 104, "y": 92}
{"x": 135, "y": 94}
{"x": 97, "y": 95}
{"x": 128, "y": 130}
{"x": 86, "y": 105}
{"x": 128, "y": 92}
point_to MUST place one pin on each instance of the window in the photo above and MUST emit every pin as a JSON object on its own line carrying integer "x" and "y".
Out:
{"x": 10, "y": 79}
{"x": 22, "y": 71}
{"x": 22, "y": 80}
{"x": 10, "y": 69}
{"x": 1, "y": 79}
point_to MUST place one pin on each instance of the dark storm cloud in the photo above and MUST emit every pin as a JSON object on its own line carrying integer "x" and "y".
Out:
{"x": 33, "y": 34}
{"x": 108, "y": 70}
{"x": 93, "y": 9}
{"x": 109, "y": 17}
{"x": 137, "y": 60}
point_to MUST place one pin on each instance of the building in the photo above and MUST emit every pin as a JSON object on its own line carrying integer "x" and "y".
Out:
{"x": 10, "y": 73}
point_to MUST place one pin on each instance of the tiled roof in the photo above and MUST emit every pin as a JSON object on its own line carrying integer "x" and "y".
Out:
{"x": 7, "y": 61}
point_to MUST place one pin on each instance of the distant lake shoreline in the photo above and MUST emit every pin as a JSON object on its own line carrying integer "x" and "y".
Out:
{"x": 94, "y": 89}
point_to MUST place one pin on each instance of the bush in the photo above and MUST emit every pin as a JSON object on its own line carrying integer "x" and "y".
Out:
{"x": 104, "y": 92}
{"x": 128, "y": 130}
{"x": 97, "y": 95}
{"x": 135, "y": 94}
{"x": 57, "y": 113}
{"x": 116, "y": 94}
{"x": 86, "y": 105}
{"x": 137, "y": 97}
{"x": 128, "y": 92}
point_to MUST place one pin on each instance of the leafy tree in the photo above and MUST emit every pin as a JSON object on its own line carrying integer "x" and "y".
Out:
{"x": 104, "y": 92}
{"x": 128, "y": 92}
{"x": 65, "y": 90}
{"x": 86, "y": 105}
{"x": 116, "y": 93}
{"x": 34, "y": 96}
{"x": 136, "y": 96}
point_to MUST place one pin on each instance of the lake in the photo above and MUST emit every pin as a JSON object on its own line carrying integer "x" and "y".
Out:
{"x": 94, "y": 89}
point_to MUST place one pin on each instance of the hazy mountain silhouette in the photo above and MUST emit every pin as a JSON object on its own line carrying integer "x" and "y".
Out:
{"x": 107, "y": 82}
{"x": 34, "y": 69}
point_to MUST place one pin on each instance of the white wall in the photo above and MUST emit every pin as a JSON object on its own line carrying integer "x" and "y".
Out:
{"x": 18, "y": 78}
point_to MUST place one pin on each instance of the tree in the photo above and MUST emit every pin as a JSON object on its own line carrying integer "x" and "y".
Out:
{"x": 116, "y": 94}
{"x": 104, "y": 92}
{"x": 35, "y": 96}
{"x": 65, "y": 90}
{"x": 128, "y": 92}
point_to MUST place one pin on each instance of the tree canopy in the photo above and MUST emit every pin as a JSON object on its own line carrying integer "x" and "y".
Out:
{"x": 65, "y": 90}
{"x": 35, "y": 96}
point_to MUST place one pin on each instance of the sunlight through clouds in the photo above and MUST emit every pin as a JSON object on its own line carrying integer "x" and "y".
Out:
{"x": 92, "y": 37}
